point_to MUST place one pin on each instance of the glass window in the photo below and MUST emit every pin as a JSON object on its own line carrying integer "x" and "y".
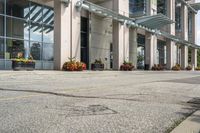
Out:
{"x": 36, "y": 12}
{"x": 14, "y": 47}
{"x": 35, "y": 50}
{"x": 17, "y": 28}
{"x": 48, "y": 52}
{"x": 35, "y": 32}
{"x": 1, "y": 25}
{"x": 2, "y": 6}
{"x": 1, "y": 48}
{"x": 178, "y": 16}
{"x": 48, "y": 16}
{"x": 48, "y": 34}
{"x": 162, "y": 7}
{"x": 18, "y": 8}
{"x": 136, "y": 6}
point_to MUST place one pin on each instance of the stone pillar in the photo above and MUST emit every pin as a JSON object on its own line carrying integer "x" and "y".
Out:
{"x": 66, "y": 33}
{"x": 171, "y": 29}
{"x": 150, "y": 50}
{"x": 151, "y": 40}
{"x": 120, "y": 35}
{"x": 194, "y": 30}
{"x": 133, "y": 46}
{"x": 184, "y": 57}
{"x": 194, "y": 57}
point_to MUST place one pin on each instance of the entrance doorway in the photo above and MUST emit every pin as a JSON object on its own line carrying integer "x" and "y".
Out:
{"x": 85, "y": 41}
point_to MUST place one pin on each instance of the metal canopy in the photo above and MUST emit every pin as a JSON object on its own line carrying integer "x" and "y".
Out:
{"x": 155, "y": 21}
{"x": 188, "y": 5}
{"x": 196, "y": 6}
{"x": 130, "y": 22}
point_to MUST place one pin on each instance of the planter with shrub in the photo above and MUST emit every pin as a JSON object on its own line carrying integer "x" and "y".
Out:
{"x": 97, "y": 65}
{"x": 189, "y": 68}
{"x": 127, "y": 66}
{"x": 74, "y": 65}
{"x": 177, "y": 67}
{"x": 157, "y": 67}
{"x": 23, "y": 64}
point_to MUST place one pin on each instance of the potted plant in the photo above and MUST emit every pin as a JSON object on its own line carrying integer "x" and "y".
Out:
{"x": 189, "y": 67}
{"x": 157, "y": 67}
{"x": 97, "y": 65}
{"x": 177, "y": 67}
{"x": 74, "y": 65}
{"x": 21, "y": 63}
{"x": 197, "y": 68}
{"x": 127, "y": 66}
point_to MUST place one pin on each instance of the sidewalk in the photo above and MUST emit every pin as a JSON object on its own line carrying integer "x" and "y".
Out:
{"x": 190, "y": 125}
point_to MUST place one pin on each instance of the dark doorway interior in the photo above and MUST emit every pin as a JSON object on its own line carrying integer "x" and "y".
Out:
{"x": 84, "y": 41}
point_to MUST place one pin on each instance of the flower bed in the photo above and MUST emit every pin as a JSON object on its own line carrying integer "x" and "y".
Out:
{"x": 189, "y": 68}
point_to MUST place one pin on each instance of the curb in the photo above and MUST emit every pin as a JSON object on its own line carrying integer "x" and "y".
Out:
{"x": 190, "y": 125}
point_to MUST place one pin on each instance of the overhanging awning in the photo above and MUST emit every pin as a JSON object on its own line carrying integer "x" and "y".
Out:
{"x": 196, "y": 6}
{"x": 155, "y": 21}
{"x": 139, "y": 23}
{"x": 188, "y": 5}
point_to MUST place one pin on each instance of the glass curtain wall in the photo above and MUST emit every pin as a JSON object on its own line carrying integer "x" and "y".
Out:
{"x": 26, "y": 27}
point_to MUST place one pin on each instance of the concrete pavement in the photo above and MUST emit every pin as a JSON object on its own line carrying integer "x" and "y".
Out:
{"x": 96, "y": 102}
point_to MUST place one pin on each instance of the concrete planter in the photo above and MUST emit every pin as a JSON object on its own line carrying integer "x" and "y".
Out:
{"x": 97, "y": 67}
{"x": 16, "y": 65}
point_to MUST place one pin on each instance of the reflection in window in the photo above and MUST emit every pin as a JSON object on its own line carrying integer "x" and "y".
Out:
{"x": 48, "y": 34}
{"x": 17, "y": 28}
{"x": 36, "y": 32}
{"x": 18, "y": 8}
{"x": 1, "y": 48}
{"x": 1, "y": 6}
{"x": 13, "y": 47}
{"x": 162, "y": 7}
{"x": 136, "y": 6}
{"x": 178, "y": 16}
{"x": 35, "y": 50}
{"x": 47, "y": 52}
{"x": 36, "y": 12}
{"x": 1, "y": 26}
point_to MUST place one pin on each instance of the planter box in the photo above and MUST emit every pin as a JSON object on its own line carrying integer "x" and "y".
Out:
{"x": 97, "y": 67}
{"x": 16, "y": 65}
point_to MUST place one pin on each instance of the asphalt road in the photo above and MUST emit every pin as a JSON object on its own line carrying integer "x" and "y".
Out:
{"x": 96, "y": 102}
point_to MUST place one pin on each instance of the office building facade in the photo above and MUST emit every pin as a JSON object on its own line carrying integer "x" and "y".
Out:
{"x": 144, "y": 32}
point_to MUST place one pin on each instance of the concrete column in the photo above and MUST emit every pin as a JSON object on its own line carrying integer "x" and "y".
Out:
{"x": 170, "y": 54}
{"x": 66, "y": 33}
{"x": 194, "y": 57}
{"x": 151, "y": 40}
{"x": 150, "y": 50}
{"x": 133, "y": 46}
{"x": 194, "y": 30}
{"x": 120, "y": 35}
{"x": 184, "y": 21}
{"x": 184, "y": 57}
{"x": 171, "y": 29}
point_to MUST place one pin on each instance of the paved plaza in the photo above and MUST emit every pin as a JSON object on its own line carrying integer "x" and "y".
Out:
{"x": 96, "y": 102}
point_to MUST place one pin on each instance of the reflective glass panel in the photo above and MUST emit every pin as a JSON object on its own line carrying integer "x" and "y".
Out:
{"x": 35, "y": 32}
{"x": 17, "y": 28}
{"x": 48, "y": 52}
{"x": 18, "y": 8}
{"x": 1, "y": 48}
{"x": 48, "y": 34}
{"x": 14, "y": 47}
{"x": 36, "y": 12}
{"x": 35, "y": 50}
{"x": 1, "y": 25}
{"x": 1, "y": 6}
